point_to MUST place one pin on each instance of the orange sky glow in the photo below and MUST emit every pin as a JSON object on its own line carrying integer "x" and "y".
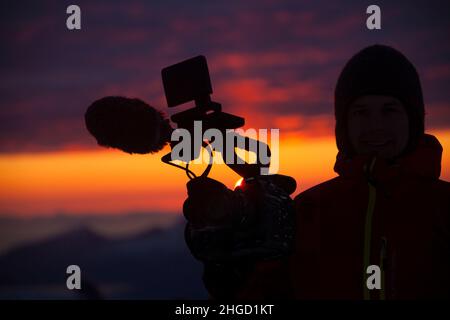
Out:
{"x": 109, "y": 181}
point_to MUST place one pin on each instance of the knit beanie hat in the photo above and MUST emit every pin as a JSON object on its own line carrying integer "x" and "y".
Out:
{"x": 379, "y": 70}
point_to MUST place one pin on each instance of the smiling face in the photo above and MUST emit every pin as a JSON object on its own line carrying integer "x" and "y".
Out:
{"x": 378, "y": 125}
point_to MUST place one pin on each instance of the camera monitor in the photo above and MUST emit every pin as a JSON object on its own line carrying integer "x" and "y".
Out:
{"x": 186, "y": 81}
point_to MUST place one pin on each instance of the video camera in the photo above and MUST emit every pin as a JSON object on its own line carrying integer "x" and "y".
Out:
{"x": 255, "y": 221}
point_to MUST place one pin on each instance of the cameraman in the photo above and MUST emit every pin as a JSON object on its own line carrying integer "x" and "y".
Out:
{"x": 387, "y": 206}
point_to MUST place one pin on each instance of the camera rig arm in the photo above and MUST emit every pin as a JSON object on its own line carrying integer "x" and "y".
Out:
{"x": 189, "y": 81}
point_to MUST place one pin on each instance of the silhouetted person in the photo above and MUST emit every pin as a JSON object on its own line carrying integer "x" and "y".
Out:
{"x": 387, "y": 206}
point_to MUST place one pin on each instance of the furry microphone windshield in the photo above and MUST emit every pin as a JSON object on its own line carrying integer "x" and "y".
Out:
{"x": 130, "y": 125}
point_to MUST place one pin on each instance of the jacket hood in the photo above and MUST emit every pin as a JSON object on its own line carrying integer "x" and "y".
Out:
{"x": 379, "y": 70}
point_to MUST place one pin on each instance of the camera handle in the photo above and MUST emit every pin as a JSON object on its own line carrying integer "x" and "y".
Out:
{"x": 240, "y": 166}
{"x": 211, "y": 114}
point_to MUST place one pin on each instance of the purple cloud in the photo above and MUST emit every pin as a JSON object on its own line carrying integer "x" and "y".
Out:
{"x": 269, "y": 60}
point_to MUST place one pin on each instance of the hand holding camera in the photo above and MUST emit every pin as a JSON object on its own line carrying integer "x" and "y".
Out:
{"x": 253, "y": 222}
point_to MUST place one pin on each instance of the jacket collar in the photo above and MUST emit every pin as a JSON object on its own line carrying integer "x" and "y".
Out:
{"x": 424, "y": 161}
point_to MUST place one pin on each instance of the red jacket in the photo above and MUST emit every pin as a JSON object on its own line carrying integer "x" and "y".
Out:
{"x": 394, "y": 216}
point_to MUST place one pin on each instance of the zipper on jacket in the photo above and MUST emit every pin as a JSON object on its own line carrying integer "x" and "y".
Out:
{"x": 368, "y": 227}
{"x": 383, "y": 258}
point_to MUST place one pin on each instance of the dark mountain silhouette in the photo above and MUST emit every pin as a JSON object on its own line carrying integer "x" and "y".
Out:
{"x": 154, "y": 264}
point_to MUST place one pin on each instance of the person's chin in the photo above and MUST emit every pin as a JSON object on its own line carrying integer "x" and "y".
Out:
{"x": 385, "y": 151}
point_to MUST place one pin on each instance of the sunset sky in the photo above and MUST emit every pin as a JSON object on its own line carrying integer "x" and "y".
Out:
{"x": 273, "y": 62}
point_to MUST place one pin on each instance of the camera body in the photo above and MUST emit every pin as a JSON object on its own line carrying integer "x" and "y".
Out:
{"x": 256, "y": 221}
